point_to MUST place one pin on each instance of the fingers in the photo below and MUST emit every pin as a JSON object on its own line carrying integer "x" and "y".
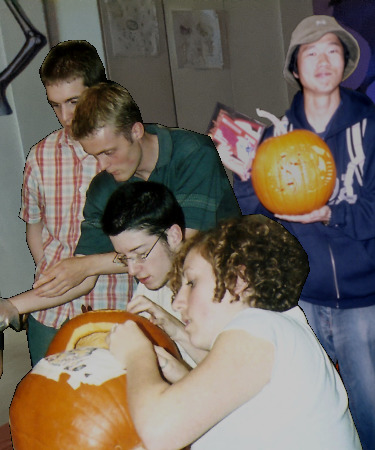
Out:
{"x": 52, "y": 288}
{"x": 43, "y": 280}
{"x": 140, "y": 304}
{"x": 160, "y": 351}
{"x": 173, "y": 370}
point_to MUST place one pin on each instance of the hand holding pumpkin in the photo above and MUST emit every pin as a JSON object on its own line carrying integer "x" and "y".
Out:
{"x": 322, "y": 214}
{"x": 173, "y": 370}
{"x": 158, "y": 315}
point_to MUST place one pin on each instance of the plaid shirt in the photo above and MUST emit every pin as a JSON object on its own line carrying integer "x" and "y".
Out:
{"x": 56, "y": 177}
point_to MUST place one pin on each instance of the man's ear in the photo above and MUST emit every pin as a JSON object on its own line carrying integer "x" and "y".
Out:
{"x": 295, "y": 74}
{"x": 138, "y": 131}
{"x": 174, "y": 236}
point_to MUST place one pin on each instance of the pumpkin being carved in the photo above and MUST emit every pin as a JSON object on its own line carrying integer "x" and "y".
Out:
{"x": 293, "y": 173}
{"x": 75, "y": 398}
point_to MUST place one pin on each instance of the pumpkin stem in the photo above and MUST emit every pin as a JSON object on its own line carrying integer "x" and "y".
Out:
{"x": 276, "y": 122}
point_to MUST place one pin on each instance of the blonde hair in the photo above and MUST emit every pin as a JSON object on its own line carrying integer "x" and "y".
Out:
{"x": 106, "y": 104}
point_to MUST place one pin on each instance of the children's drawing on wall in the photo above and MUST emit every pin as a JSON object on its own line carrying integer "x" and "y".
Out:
{"x": 34, "y": 42}
{"x": 133, "y": 27}
{"x": 358, "y": 17}
{"x": 197, "y": 38}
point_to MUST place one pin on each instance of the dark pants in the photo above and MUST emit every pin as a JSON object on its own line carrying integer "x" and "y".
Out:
{"x": 39, "y": 337}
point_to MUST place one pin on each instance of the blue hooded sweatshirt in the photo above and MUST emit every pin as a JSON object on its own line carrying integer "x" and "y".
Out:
{"x": 342, "y": 254}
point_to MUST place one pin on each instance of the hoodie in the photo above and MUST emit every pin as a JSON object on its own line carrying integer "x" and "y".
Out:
{"x": 342, "y": 254}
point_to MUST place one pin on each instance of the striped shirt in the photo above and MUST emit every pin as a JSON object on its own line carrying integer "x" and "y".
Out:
{"x": 56, "y": 177}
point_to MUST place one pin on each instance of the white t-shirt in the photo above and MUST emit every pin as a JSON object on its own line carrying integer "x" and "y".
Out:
{"x": 303, "y": 407}
{"x": 163, "y": 298}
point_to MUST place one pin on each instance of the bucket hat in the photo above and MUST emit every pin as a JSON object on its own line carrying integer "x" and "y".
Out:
{"x": 311, "y": 29}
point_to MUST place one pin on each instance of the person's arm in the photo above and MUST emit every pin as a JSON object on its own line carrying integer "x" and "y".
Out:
{"x": 170, "y": 324}
{"x": 34, "y": 240}
{"x": 94, "y": 253}
{"x": 29, "y": 301}
{"x": 71, "y": 272}
{"x": 172, "y": 416}
{"x": 322, "y": 214}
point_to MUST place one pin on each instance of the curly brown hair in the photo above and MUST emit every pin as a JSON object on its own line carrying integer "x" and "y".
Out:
{"x": 258, "y": 250}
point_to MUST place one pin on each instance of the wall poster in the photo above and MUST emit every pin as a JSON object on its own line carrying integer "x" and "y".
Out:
{"x": 133, "y": 27}
{"x": 197, "y": 39}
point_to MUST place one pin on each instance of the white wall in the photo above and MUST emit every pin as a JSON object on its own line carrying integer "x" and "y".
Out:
{"x": 254, "y": 36}
{"x": 74, "y": 19}
{"x": 31, "y": 120}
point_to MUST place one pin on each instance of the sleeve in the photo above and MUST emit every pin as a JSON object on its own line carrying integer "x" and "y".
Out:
{"x": 246, "y": 196}
{"x": 355, "y": 214}
{"x": 244, "y": 191}
{"x": 31, "y": 196}
{"x": 257, "y": 323}
{"x": 202, "y": 187}
{"x": 92, "y": 239}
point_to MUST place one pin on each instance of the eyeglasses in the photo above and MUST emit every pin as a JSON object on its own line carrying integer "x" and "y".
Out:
{"x": 121, "y": 259}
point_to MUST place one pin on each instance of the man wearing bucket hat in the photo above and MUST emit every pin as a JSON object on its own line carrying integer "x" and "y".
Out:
{"x": 339, "y": 295}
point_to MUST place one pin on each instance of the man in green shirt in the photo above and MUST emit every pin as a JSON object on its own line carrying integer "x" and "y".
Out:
{"x": 109, "y": 126}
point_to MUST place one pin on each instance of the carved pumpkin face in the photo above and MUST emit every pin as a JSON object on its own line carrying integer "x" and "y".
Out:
{"x": 77, "y": 399}
{"x": 293, "y": 173}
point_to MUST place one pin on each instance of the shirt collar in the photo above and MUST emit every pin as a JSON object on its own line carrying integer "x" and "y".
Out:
{"x": 75, "y": 146}
{"x": 165, "y": 143}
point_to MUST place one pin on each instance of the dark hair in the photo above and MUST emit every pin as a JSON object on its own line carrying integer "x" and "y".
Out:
{"x": 69, "y": 60}
{"x": 258, "y": 250}
{"x": 105, "y": 104}
{"x": 142, "y": 205}
{"x": 293, "y": 66}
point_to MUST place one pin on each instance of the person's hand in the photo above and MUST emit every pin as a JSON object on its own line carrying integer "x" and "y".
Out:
{"x": 61, "y": 277}
{"x": 322, "y": 214}
{"x": 173, "y": 370}
{"x": 9, "y": 315}
{"x": 158, "y": 315}
{"x": 126, "y": 339}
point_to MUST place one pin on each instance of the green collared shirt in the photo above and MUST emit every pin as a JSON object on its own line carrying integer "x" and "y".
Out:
{"x": 189, "y": 165}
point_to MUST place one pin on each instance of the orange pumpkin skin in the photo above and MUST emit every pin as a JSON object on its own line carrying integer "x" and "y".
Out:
{"x": 294, "y": 173}
{"x": 103, "y": 320}
{"x": 49, "y": 413}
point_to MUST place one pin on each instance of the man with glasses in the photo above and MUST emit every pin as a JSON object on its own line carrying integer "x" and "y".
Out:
{"x": 108, "y": 124}
{"x": 146, "y": 226}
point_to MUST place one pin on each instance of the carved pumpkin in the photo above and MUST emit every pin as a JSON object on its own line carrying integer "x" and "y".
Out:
{"x": 76, "y": 397}
{"x": 293, "y": 173}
